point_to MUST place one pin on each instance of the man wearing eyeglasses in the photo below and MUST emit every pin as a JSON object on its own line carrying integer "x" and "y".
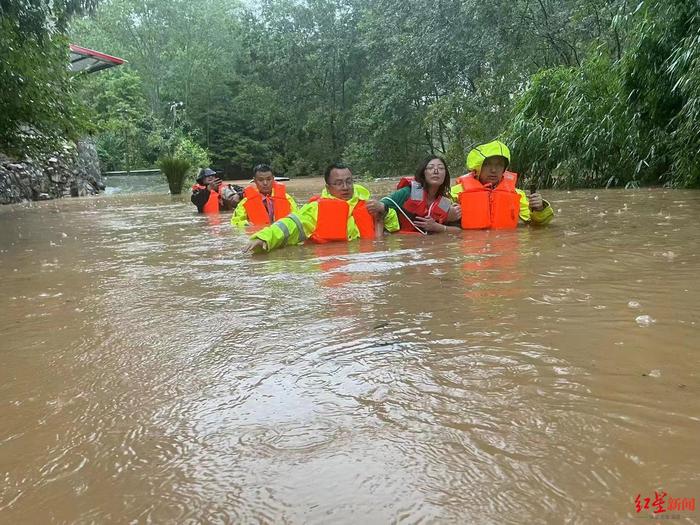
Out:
{"x": 264, "y": 201}
{"x": 339, "y": 213}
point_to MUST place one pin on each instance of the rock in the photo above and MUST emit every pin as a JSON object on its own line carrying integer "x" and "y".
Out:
{"x": 73, "y": 170}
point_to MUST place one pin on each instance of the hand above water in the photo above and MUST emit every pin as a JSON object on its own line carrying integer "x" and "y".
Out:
{"x": 375, "y": 207}
{"x": 428, "y": 224}
{"x": 454, "y": 213}
{"x": 256, "y": 245}
{"x": 536, "y": 202}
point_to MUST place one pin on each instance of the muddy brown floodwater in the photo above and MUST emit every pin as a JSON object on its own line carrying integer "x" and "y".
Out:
{"x": 151, "y": 373}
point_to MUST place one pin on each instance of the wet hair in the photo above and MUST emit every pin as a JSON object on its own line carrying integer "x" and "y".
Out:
{"x": 420, "y": 174}
{"x": 333, "y": 166}
{"x": 261, "y": 168}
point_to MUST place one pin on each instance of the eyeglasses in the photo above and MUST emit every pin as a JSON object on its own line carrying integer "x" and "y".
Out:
{"x": 347, "y": 183}
{"x": 433, "y": 167}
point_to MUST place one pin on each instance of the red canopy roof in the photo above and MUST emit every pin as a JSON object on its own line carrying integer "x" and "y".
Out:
{"x": 84, "y": 59}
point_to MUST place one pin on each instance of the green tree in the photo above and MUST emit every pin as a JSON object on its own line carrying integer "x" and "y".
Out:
{"x": 37, "y": 108}
{"x": 619, "y": 122}
{"x": 587, "y": 91}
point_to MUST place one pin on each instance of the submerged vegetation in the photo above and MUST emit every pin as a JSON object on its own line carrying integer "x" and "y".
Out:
{"x": 175, "y": 170}
{"x": 587, "y": 92}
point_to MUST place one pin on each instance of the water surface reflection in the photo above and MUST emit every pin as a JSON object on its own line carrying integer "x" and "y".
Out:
{"x": 150, "y": 372}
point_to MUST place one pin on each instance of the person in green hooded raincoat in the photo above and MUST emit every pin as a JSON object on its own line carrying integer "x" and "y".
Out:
{"x": 487, "y": 165}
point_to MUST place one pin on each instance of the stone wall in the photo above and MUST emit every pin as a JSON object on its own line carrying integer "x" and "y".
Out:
{"x": 74, "y": 171}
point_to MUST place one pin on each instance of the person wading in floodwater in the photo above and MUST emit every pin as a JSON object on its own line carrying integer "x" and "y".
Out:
{"x": 487, "y": 194}
{"x": 338, "y": 214}
{"x": 264, "y": 201}
{"x": 211, "y": 195}
{"x": 422, "y": 203}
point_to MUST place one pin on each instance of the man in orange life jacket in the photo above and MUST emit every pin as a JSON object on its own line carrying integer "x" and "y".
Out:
{"x": 488, "y": 196}
{"x": 338, "y": 214}
{"x": 210, "y": 195}
{"x": 264, "y": 201}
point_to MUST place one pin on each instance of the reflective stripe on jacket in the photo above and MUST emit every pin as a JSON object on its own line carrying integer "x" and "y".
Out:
{"x": 300, "y": 225}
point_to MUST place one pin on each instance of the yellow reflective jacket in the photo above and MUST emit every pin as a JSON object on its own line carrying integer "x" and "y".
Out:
{"x": 240, "y": 215}
{"x": 299, "y": 226}
{"x": 542, "y": 217}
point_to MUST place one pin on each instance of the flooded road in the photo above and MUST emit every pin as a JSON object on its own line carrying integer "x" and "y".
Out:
{"x": 149, "y": 372}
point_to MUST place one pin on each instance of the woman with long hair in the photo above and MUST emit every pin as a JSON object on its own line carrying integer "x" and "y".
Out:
{"x": 423, "y": 203}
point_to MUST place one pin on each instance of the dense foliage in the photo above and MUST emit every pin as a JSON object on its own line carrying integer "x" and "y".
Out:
{"x": 588, "y": 92}
{"x": 37, "y": 106}
{"x": 631, "y": 121}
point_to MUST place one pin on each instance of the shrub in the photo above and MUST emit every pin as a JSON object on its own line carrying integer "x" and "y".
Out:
{"x": 175, "y": 170}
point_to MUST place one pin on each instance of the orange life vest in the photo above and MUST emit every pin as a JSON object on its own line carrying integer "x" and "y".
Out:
{"x": 417, "y": 205}
{"x": 482, "y": 207}
{"x": 212, "y": 204}
{"x": 254, "y": 207}
{"x": 332, "y": 221}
